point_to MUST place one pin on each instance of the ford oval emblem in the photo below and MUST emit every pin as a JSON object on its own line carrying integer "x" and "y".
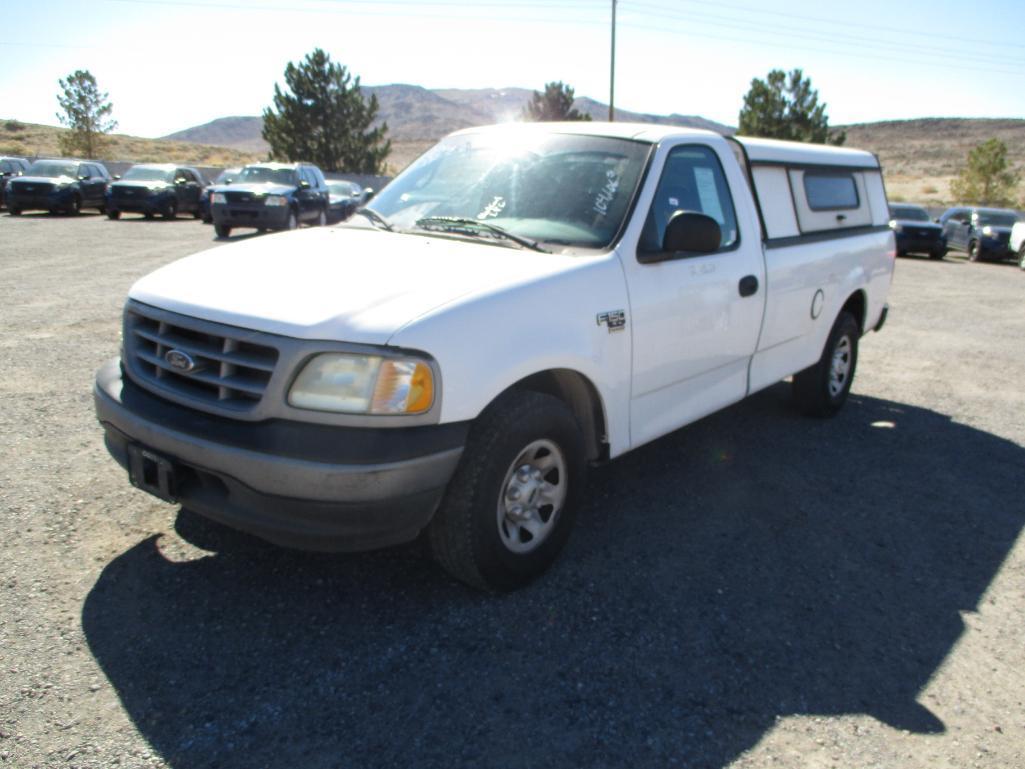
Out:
{"x": 180, "y": 361}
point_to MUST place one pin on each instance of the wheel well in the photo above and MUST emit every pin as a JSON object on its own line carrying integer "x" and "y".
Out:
{"x": 580, "y": 394}
{"x": 855, "y": 305}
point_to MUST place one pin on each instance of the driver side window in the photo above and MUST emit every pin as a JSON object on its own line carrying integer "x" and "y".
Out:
{"x": 692, "y": 180}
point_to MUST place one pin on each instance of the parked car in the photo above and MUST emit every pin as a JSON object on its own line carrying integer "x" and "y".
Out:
{"x": 270, "y": 196}
{"x": 983, "y": 233}
{"x": 9, "y": 169}
{"x": 916, "y": 232}
{"x": 451, "y": 359}
{"x": 225, "y": 177}
{"x": 151, "y": 189}
{"x": 60, "y": 184}
{"x": 1017, "y": 242}
{"x": 344, "y": 199}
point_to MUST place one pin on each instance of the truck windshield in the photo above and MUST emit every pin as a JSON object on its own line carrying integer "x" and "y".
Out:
{"x": 52, "y": 169}
{"x": 551, "y": 188}
{"x": 909, "y": 213}
{"x": 150, "y": 174}
{"x": 997, "y": 218}
{"x": 261, "y": 175}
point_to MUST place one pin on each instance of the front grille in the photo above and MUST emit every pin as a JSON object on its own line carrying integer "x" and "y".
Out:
{"x": 121, "y": 192}
{"x": 32, "y": 188}
{"x": 237, "y": 196}
{"x": 229, "y": 371}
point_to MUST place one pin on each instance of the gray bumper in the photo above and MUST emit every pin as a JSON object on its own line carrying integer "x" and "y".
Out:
{"x": 299, "y": 502}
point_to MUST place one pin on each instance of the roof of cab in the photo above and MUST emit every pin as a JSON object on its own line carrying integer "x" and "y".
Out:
{"x": 758, "y": 150}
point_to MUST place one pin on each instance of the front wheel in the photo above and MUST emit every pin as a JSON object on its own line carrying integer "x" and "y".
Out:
{"x": 509, "y": 508}
{"x": 322, "y": 218}
{"x": 112, "y": 214}
{"x": 822, "y": 389}
{"x": 171, "y": 210}
{"x": 76, "y": 206}
{"x": 1021, "y": 256}
{"x": 14, "y": 211}
{"x": 974, "y": 251}
{"x": 938, "y": 253}
{"x": 222, "y": 230}
{"x": 293, "y": 221}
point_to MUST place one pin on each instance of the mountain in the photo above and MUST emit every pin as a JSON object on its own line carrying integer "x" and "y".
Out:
{"x": 420, "y": 115}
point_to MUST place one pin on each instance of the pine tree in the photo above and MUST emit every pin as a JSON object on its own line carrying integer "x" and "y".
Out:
{"x": 556, "y": 103}
{"x": 323, "y": 118}
{"x": 786, "y": 107}
{"x": 987, "y": 179}
{"x": 86, "y": 112}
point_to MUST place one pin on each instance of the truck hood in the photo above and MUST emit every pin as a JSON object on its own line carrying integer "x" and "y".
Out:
{"x": 56, "y": 180}
{"x": 917, "y": 224}
{"x": 342, "y": 284}
{"x": 257, "y": 189}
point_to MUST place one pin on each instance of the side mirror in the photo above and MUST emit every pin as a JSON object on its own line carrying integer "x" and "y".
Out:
{"x": 116, "y": 177}
{"x": 691, "y": 232}
{"x": 304, "y": 185}
{"x": 369, "y": 193}
{"x": 84, "y": 178}
{"x": 228, "y": 181}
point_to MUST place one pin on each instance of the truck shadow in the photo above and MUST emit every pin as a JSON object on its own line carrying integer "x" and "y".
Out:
{"x": 754, "y": 565}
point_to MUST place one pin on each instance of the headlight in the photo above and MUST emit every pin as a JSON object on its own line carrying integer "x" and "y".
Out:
{"x": 276, "y": 200}
{"x": 987, "y": 231}
{"x": 363, "y": 384}
{"x": 895, "y": 227}
{"x": 218, "y": 197}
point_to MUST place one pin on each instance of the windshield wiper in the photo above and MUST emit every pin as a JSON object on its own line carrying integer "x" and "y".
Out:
{"x": 465, "y": 226}
{"x": 375, "y": 218}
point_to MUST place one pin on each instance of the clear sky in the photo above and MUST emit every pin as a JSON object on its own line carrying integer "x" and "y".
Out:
{"x": 172, "y": 64}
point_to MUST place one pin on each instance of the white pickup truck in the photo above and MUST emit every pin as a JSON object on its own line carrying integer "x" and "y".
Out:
{"x": 521, "y": 301}
{"x": 1017, "y": 242}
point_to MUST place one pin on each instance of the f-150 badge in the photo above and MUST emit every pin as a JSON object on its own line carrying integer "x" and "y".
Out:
{"x": 614, "y": 319}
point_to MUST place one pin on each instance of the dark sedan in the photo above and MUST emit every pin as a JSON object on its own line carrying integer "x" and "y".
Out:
{"x": 344, "y": 199}
{"x": 9, "y": 169}
{"x": 58, "y": 185}
{"x": 153, "y": 189}
{"x": 916, "y": 233}
{"x": 983, "y": 233}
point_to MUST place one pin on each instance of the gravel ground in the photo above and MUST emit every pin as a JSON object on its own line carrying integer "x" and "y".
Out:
{"x": 755, "y": 590}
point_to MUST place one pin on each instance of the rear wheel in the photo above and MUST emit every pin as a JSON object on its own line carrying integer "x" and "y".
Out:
{"x": 822, "y": 389}
{"x": 509, "y": 508}
{"x": 222, "y": 230}
{"x": 112, "y": 214}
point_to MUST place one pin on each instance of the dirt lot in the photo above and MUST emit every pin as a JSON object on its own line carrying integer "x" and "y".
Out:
{"x": 756, "y": 590}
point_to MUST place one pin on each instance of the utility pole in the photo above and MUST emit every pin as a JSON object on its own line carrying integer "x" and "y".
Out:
{"x": 612, "y": 71}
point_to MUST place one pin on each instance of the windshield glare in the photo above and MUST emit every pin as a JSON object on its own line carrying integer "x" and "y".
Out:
{"x": 909, "y": 213}
{"x": 262, "y": 175}
{"x": 147, "y": 174}
{"x": 997, "y": 219}
{"x": 342, "y": 188}
{"x": 554, "y": 188}
{"x": 53, "y": 169}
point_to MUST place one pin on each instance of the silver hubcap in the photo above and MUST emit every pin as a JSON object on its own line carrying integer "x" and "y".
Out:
{"x": 840, "y": 369}
{"x": 532, "y": 496}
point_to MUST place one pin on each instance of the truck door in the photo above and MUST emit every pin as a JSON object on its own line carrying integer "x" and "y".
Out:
{"x": 695, "y": 318}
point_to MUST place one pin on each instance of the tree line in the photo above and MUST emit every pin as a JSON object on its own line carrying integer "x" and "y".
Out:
{"x": 322, "y": 116}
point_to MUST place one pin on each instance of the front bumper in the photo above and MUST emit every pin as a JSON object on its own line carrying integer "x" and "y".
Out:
{"x": 143, "y": 204}
{"x": 919, "y": 243}
{"x": 996, "y": 248}
{"x": 50, "y": 201}
{"x": 310, "y": 486}
{"x": 250, "y": 215}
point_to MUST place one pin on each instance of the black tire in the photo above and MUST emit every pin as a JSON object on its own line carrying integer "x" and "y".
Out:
{"x": 171, "y": 210}
{"x": 901, "y": 253}
{"x": 1021, "y": 256}
{"x": 939, "y": 253}
{"x": 197, "y": 214}
{"x": 816, "y": 391}
{"x": 149, "y": 215}
{"x": 14, "y": 211}
{"x": 293, "y": 221}
{"x": 222, "y": 230}
{"x": 76, "y": 206}
{"x": 322, "y": 218}
{"x": 112, "y": 214}
{"x": 102, "y": 210}
{"x": 466, "y": 535}
{"x": 974, "y": 251}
